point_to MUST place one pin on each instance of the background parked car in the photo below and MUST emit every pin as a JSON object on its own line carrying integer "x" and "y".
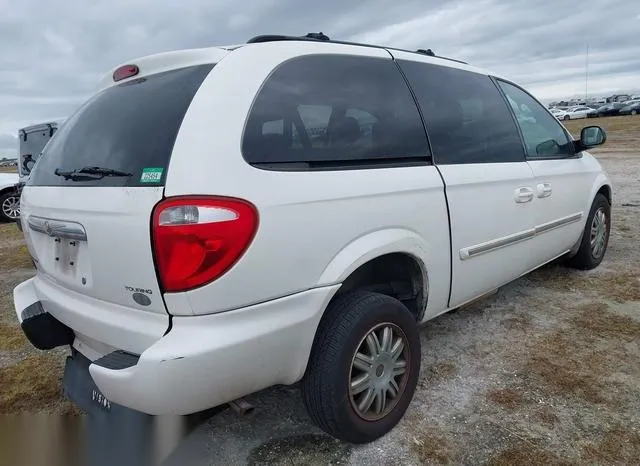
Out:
{"x": 610, "y": 109}
{"x": 575, "y": 113}
{"x": 632, "y": 109}
{"x": 558, "y": 113}
{"x": 9, "y": 197}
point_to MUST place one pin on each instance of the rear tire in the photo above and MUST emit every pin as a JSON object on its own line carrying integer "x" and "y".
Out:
{"x": 566, "y": 117}
{"x": 634, "y": 112}
{"x": 357, "y": 364}
{"x": 595, "y": 237}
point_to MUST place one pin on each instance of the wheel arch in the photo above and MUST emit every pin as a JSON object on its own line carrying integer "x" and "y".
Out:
{"x": 601, "y": 186}
{"x": 604, "y": 189}
{"x": 8, "y": 189}
{"x": 392, "y": 262}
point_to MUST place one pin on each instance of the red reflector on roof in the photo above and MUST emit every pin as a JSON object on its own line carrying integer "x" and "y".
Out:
{"x": 125, "y": 71}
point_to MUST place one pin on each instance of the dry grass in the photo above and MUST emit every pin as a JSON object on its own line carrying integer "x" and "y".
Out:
{"x": 8, "y": 233}
{"x": 565, "y": 366}
{"x": 11, "y": 337}
{"x": 619, "y": 445}
{"x": 620, "y": 286}
{"x": 32, "y": 385}
{"x": 519, "y": 322}
{"x": 13, "y": 251}
{"x": 308, "y": 449}
{"x": 611, "y": 125}
{"x": 507, "y": 397}
{"x": 622, "y": 131}
{"x": 547, "y": 417}
{"x": 8, "y": 169}
{"x": 433, "y": 446}
{"x": 524, "y": 454}
{"x": 16, "y": 257}
{"x": 597, "y": 320}
{"x": 439, "y": 372}
{"x": 570, "y": 362}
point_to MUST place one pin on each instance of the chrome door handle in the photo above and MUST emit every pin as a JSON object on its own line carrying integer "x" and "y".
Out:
{"x": 544, "y": 189}
{"x": 524, "y": 194}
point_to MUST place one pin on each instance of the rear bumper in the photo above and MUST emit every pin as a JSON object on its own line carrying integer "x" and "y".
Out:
{"x": 205, "y": 361}
{"x": 116, "y": 327}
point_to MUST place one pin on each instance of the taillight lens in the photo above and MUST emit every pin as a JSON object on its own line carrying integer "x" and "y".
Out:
{"x": 196, "y": 240}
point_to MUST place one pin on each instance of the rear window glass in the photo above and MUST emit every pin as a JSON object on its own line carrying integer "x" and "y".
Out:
{"x": 333, "y": 110}
{"x": 127, "y": 131}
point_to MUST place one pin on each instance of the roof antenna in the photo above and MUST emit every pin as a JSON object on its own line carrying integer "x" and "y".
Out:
{"x": 426, "y": 52}
{"x": 317, "y": 36}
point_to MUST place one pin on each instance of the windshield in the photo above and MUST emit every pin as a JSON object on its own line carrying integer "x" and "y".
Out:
{"x": 126, "y": 129}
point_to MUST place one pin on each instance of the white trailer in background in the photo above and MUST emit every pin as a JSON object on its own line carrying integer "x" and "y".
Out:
{"x": 32, "y": 140}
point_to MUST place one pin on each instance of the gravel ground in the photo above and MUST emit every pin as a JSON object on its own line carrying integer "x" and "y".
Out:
{"x": 546, "y": 371}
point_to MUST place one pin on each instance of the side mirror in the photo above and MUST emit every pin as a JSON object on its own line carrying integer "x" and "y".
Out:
{"x": 592, "y": 136}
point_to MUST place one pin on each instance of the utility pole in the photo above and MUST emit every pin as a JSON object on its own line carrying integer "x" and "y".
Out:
{"x": 586, "y": 76}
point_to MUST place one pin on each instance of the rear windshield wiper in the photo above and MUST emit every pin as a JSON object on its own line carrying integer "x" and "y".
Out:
{"x": 89, "y": 173}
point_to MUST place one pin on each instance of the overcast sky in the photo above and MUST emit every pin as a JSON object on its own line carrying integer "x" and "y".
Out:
{"x": 53, "y": 53}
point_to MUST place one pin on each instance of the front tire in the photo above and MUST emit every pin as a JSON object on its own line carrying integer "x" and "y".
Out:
{"x": 566, "y": 117}
{"x": 595, "y": 237}
{"x": 363, "y": 368}
{"x": 9, "y": 206}
{"x": 634, "y": 112}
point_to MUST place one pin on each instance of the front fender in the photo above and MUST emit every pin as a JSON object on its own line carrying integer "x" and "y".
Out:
{"x": 601, "y": 180}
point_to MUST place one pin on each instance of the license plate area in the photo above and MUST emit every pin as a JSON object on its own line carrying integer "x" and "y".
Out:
{"x": 79, "y": 388}
{"x": 61, "y": 250}
{"x": 65, "y": 259}
{"x": 65, "y": 254}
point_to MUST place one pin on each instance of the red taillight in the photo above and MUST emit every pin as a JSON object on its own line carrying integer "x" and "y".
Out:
{"x": 125, "y": 71}
{"x": 197, "y": 239}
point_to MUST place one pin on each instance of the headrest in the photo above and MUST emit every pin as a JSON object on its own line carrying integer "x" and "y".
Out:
{"x": 346, "y": 131}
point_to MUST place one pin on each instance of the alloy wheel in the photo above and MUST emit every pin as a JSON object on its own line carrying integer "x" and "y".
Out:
{"x": 379, "y": 371}
{"x": 11, "y": 207}
{"x": 598, "y": 237}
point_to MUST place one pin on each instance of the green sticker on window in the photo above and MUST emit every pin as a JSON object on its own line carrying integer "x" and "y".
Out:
{"x": 151, "y": 175}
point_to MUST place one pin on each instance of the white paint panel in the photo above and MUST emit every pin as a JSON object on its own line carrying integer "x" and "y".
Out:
{"x": 563, "y": 189}
{"x": 306, "y": 218}
{"x": 482, "y": 202}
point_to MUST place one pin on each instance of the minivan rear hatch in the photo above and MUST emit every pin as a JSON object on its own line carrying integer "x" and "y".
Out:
{"x": 87, "y": 206}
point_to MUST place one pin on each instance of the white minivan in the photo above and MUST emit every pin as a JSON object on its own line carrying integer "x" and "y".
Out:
{"x": 217, "y": 221}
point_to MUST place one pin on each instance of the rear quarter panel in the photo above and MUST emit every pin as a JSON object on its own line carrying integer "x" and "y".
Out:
{"x": 315, "y": 227}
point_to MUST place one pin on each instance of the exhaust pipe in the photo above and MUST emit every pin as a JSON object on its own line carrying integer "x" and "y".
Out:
{"x": 241, "y": 406}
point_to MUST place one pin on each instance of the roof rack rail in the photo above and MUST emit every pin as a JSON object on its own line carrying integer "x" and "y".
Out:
{"x": 321, "y": 37}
